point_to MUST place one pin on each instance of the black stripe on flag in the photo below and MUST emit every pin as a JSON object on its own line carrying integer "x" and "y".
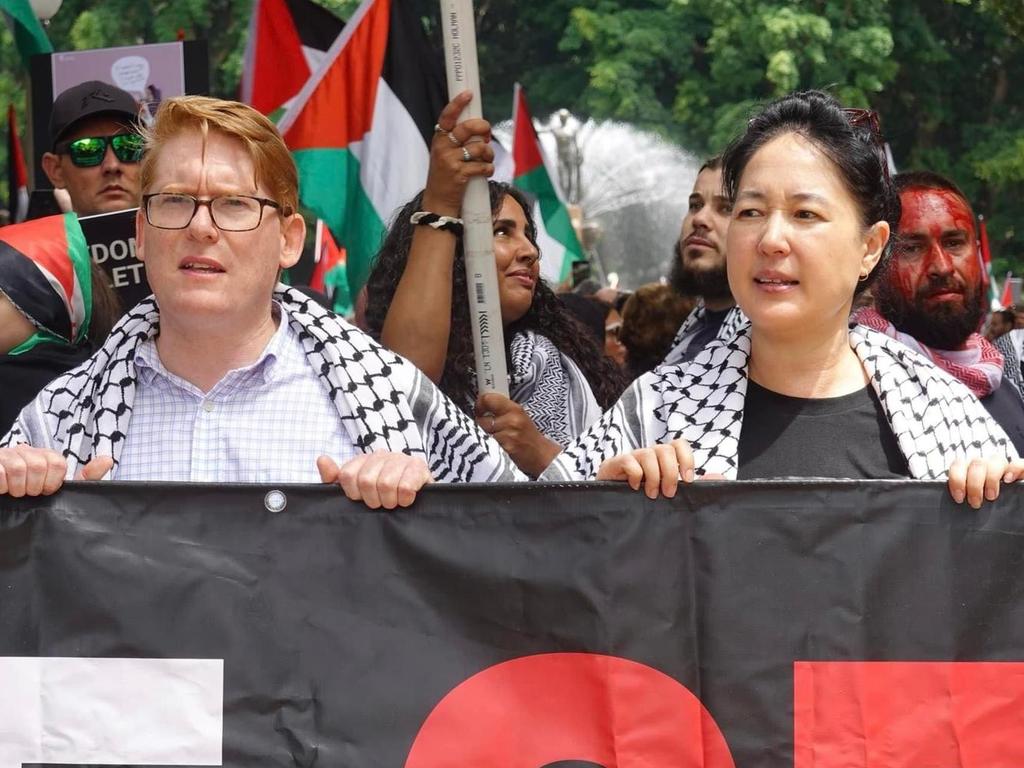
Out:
{"x": 317, "y": 27}
{"x": 414, "y": 69}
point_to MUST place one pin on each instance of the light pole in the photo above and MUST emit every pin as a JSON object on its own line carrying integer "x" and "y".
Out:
{"x": 45, "y": 9}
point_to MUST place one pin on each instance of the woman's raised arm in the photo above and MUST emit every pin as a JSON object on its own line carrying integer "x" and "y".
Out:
{"x": 418, "y": 322}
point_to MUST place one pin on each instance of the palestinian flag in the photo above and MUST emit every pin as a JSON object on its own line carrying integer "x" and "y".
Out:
{"x": 986, "y": 262}
{"x": 1006, "y": 300}
{"x": 288, "y": 40}
{"x": 17, "y": 174}
{"x": 361, "y": 127}
{"x": 329, "y": 275}
{"x": 29, "y": 36}
{"x": 45, "y": 272}
{"x": 555, "y": 234}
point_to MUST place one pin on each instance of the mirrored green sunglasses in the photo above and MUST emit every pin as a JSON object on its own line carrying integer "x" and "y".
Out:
{"x": 89, "y": 150}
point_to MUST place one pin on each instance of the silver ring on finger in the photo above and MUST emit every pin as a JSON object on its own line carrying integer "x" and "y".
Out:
{"x": 439, "y": 129}
{"x": 452, "y": 139}
{"x": 466, "y": 157}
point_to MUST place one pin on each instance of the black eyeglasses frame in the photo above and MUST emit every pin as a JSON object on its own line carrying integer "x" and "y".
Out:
{"x": 208, "y": 202}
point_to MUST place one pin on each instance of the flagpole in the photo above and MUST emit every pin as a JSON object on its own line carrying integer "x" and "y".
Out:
{"x": 478, "y": 245}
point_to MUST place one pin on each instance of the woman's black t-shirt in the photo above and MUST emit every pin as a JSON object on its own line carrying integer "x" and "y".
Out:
{"x": 846, "y": 436}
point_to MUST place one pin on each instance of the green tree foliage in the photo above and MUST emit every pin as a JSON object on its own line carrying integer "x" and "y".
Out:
{"x": 695, "y": 69}
{"x": 953, "y": 107}
{"x": 941, "y": 73}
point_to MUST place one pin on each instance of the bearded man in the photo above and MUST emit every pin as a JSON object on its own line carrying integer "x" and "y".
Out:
{"x": 932, "y": 297}
{"x": 699, "y": 267}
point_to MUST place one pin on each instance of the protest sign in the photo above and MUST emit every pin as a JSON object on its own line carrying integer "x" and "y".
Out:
{"x": 111, "y": 239}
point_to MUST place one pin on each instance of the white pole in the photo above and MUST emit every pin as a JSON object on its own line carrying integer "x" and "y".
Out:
{"x": 477, "y": 243}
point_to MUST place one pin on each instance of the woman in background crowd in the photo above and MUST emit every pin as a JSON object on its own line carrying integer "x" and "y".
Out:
{"x": 650, "y": 319}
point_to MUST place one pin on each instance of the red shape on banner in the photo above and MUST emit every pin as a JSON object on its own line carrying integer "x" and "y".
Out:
{"x": 571, "y": 709}
{"x": 904, "y": 714}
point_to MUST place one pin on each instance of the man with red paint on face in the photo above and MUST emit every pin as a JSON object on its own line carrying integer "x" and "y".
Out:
{"x": 932, "y": 296}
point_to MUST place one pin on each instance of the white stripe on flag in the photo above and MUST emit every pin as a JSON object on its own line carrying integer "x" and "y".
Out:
{"x": 552, "y": 253}
{"x": 504, "y": 163}
{"x": 393, "y": 158}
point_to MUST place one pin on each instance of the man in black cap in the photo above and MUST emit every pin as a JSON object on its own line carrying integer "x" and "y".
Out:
{"x": 95, "y": 148}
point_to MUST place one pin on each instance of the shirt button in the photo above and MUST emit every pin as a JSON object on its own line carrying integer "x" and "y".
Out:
{"x": 208, "y": 406}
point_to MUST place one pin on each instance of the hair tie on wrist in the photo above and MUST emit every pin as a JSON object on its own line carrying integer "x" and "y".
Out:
{"x": 436, "y": 221}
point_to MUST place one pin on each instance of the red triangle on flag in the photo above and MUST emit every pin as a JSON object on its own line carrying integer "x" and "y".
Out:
{"x": 986, "y": 254}
{"x": 327, "y": 255}
{"x": 17, "y": 177}
{"x": 275, "y": 66}
{"x": 525, "y": 142}
{"x": 336, "y": 105}
{"x": 1007, "y": 298}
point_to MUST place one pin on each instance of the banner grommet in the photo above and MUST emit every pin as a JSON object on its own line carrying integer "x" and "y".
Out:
{"x": 275, "y": 501}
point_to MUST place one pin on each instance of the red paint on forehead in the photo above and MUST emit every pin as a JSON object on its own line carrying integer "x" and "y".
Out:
{"x": 934, "y": 211}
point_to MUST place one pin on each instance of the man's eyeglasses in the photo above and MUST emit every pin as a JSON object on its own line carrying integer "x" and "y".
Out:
{"x": 230, "y": 213}
{"x": 88, "y": 151}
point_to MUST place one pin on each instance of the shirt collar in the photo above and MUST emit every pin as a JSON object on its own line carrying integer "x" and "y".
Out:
{"x": 148, "y": 364}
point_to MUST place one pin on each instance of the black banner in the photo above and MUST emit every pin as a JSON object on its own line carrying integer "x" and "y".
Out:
{"x": 748, "y": 624}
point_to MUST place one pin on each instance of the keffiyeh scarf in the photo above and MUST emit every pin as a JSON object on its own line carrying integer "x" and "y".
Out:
{"x": 981, "y": 368}
{"x": 551, "y": 388}
{"x": 1011, "y": 345}
{"x": 384, "y": 402}
{"x": 734, "y": 320}
{"x": 935, "y": 418}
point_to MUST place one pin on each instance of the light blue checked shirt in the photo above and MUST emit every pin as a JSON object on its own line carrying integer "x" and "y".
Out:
{"x": 265, "y": 423}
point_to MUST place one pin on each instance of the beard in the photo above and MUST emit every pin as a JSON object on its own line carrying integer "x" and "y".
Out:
{"x": 944, "y": 327}
{"x": 707, "y": 283}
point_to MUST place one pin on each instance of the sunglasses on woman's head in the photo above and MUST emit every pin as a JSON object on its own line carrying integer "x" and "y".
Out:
{"x": 88, "y": 151}
{"x": 865, "y": 118}
{"x": 869, "y": 120}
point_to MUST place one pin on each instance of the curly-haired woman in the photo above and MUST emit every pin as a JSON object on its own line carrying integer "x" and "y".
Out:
{"x": 418, "y": 306}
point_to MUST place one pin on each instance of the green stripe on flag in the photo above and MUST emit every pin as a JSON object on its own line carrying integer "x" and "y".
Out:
{"x": 81, "y": 260}
{"x": 329, "y": 186}
{"x": 337, "y": 278}
{"x": 556, "y": 215}
{"x": 29, "y": 36}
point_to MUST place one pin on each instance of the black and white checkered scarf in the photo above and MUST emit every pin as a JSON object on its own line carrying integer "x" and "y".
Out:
{"x": 384, "y": 402}
{"x": 551, "y": 388}
{"x": 934, "y": 417}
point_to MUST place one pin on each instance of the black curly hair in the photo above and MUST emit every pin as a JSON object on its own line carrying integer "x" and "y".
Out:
{"x": 547, "y": 316}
